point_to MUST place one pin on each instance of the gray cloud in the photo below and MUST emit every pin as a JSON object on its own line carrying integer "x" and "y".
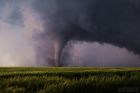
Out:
{"x": 53, "y": 24}
{"x": 95, "y": 54}
{"x": 115, "y": 22}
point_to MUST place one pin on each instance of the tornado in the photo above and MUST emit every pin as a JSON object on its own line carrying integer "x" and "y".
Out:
{"x": 52, "y": 24}
{"x": 112, "y": 22}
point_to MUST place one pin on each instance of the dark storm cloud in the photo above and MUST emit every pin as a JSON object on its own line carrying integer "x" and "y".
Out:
{"x": 14, "y": 15}
{"x": 116, "y": 22}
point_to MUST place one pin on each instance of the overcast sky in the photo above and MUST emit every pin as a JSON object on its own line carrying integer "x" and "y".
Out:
{"x": 36, "y": 32}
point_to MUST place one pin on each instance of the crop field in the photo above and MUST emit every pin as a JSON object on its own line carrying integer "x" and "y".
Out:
{"x": 69, "y": 80}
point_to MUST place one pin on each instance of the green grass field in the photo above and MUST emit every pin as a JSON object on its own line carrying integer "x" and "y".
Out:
{"x": 69, "y": 80}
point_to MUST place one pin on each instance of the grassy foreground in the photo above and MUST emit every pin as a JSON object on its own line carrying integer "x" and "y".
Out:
{"x": 69, "y": 80}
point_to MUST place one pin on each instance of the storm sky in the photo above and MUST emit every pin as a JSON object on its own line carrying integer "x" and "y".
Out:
{"x": 70, "y": 33}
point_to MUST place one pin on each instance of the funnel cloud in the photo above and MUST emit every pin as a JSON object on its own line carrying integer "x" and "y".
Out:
{"x": 50, "y": 32}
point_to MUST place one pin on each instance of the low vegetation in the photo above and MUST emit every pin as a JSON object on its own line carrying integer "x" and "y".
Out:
{"x": 69, "y": 80}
